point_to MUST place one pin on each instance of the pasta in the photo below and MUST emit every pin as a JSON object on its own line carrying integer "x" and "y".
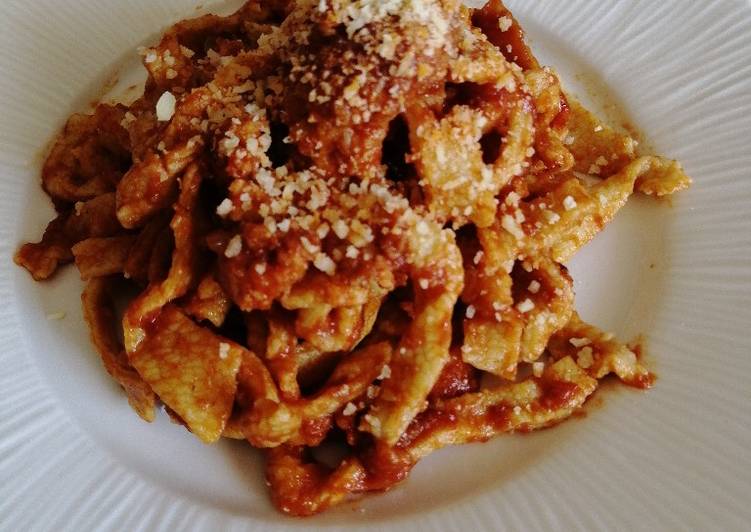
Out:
{"x": 338, "y": 217}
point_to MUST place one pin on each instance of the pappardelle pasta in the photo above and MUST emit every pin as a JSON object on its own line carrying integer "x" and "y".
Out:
{"x": 339, "y": 217}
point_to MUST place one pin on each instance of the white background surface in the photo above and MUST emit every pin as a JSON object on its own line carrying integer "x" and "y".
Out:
{"x": 74, "y": 457}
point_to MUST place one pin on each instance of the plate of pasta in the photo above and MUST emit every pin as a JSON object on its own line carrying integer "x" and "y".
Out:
{"x": 357, "y": 264}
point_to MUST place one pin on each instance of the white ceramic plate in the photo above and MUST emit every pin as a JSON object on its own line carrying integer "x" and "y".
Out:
{"x": 74, "y": 457}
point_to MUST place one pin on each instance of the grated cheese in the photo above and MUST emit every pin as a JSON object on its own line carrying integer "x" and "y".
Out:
{"x": 224, "y": 350}
{"x": 512, "y": 226}
{"x": 234, "y": 247}
{"x": 324, "y": 263}
{"x": 225, "y": 207}
{"x": 569, "y": 203}
{"x": 505, "y": 23}
{"x": 165, "y": 107}
{"x": 579, "y": 342}
{"x": 525, "y": 306}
